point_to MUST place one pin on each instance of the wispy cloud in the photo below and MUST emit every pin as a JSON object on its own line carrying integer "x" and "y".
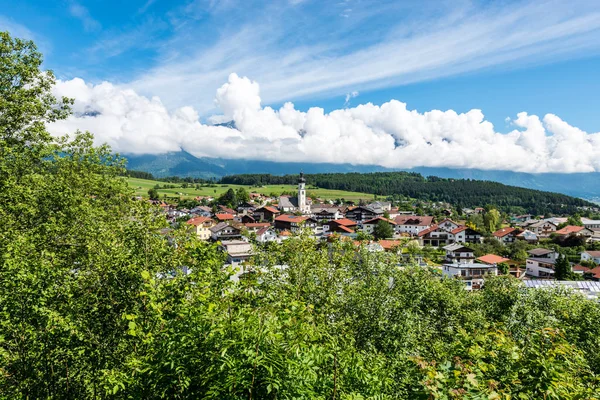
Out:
{"x": 294, "y": 59}
{"x": 83, "y": 14}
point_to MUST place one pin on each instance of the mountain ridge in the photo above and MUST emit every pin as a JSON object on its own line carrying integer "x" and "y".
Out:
{"x": 183, "y": 164}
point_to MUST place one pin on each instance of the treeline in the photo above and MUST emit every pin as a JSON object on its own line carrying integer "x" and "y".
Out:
{"x": 169, "y": 179}
{"x": 459, "y": 192}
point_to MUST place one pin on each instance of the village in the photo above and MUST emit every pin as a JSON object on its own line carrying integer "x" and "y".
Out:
{"x": 450, "y": 243}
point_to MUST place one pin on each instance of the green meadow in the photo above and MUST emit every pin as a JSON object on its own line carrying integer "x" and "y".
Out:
{"x": 141, "y": 187}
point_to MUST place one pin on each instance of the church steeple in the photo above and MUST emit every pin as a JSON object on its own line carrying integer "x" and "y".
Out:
{"x": 302, "y": 194}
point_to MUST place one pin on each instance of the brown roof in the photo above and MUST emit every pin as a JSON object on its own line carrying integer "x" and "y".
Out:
{"x": 198, "y": 221}
{"x": 458, "y": 230}
{"x": 389, "y": 244}
{"x": 291, "y": 218}
{"x": 595, "y": 272}
{"x": 224, "y": 217}
{"x": 492, "y": 259}
{"x": 343, "y": 221}
{"x": 540, "y": 251}
{"x": 580, "y": 268}
{"x": 426, "y": 231}
{"x": 503, "y": 232}
{"x": 271, "y": 209}
{"x": 569, "y": 229}
{"x": 345, "y": 229}
{"x": 413, "y": 220}
{"x": 593, "y": 253}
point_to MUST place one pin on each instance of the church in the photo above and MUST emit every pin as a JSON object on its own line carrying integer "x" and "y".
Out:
{"x": 296, "y": 204}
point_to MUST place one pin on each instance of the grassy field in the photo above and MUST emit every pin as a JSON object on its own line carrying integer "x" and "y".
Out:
{"x": 141, "y": 187}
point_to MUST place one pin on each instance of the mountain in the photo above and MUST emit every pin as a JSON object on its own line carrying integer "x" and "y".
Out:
{"x": 584, "y": 185}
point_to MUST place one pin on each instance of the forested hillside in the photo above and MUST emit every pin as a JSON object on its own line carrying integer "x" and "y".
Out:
{"x": 460, "y": 192}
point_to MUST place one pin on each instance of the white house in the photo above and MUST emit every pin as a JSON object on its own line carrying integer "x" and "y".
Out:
{"x": 591, "y": 256}
{"x": 540, "y": 263}
{"x": 457, "y": 253}
{"x": 412, "y": 224}
{"x": 266, "y": 234}
{"x": 237, "y": 251}
{"x": 471, "y": 273}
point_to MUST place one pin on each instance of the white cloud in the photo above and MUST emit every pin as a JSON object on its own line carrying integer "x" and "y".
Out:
{"x": 389, "y": 135}
{"x": 350, "y": 96}
{"x": 83, "y": 14}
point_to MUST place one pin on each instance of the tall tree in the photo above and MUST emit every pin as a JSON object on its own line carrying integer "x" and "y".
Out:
{"x": 383, "y": 230}
{"x": 562, "y": 269}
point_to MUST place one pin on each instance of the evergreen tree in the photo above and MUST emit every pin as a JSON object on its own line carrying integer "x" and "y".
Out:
{"x": 383, "y": 230}
{"x": 562, "y": 269}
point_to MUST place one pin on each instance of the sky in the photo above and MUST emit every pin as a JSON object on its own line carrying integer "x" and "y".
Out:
{"x": 509, "y": 85}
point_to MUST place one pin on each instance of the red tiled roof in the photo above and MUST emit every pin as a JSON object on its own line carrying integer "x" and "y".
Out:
{"x": 345, "y": 229}
{"x": 343, "y": 221}
{"x": 272, "y": 209}
{"x": 198, "y": 221}
{"x": 503, "y": 232}
{"x": 377, "y": 219}
{"x": 580, "y": 268}
{"x": 262, "y": 230}
{"x": 426, "y": 231}
{"x": 569, "y": 229}
{"x": 458, "y": 230}
{"x": 492, "y": 259}
{"x": 224, "y": 217}
{"x": 291, "y": 218}
{"x": 593, "y": 253}
{"x": 595, "y": 272}
{"x": 227, "y": 210}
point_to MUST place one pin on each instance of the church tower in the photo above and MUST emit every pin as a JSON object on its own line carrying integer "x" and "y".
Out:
{"x": 302, "y": 207}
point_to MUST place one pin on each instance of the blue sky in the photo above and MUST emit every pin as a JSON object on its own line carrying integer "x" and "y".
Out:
{"x": 503, "y": 57}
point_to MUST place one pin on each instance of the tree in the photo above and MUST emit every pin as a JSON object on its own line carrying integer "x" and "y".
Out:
{"x": 491, "y": 219}
{"x": 562, "y": 269}
{"x": 383, "y": 230}
{"x": 503, "y": 268}
{"x": 242, "y": 196}
{"x": 153, "y": 194}
{"x": 574, "y": 220}
{"x": 386, "y": 214}
{"x": 362, "y": 236}
{"x": 228, "y": 199}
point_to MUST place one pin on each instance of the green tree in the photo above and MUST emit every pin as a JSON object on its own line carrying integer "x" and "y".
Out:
{"x": 241, "y": 196}
{"x": 228, "y": 199}
{"x": 562, "y": 269}
{"x": 383, "y": 230}
{"x": 153, "y": 194}
{"x": 491, "y": 220}
{"x": 503, "y": 268}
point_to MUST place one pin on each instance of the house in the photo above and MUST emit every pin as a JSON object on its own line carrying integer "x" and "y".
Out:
{"x": 528, "y": 236}
{"x": 327, "y": 214}
{"x": 448, "y": 225}
{"x": 256, "y": 226}
{"x": 542, "y": 228}
{"x": 471, "y": 273}
{"x": 572, "y": 230}
{"x": 456, "y": 253}
{"x": 226, "y": 210}
{"x": 266, "y": 234}
{"x": 590, "y": 255}
{"x": 435, "y": 236}
{"x": 369, "y": 226}
{"x": 382, "y": 205}
{"x": 590, "y": 223}
{"x": 201, "y": 226}
{"x": 343, "y": 226}
{"x": 294, "y": 223}
{"x": 363, "y": 213}
{"x": 224, "y": 231}
{"x": 246, "y": 208}
{"x": 412, "y": 224}
{"x": 266, "y": 213}
{"x": 540, "y": 263}
{"x": 202, "y": 211}
{"x": 237, "y": 251}
{"x": 506, "y": 235}
{"x": 246, "y": 219}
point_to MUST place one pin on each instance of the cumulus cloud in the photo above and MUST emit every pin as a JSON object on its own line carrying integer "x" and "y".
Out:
{"x": 390, "y": 135}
